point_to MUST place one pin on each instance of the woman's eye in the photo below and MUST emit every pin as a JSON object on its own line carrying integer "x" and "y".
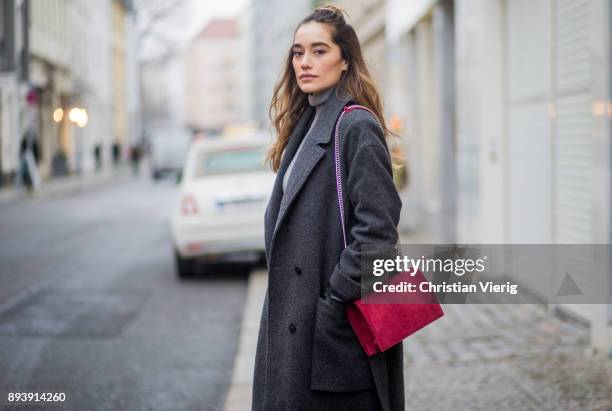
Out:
{"x": 299, "y": 53}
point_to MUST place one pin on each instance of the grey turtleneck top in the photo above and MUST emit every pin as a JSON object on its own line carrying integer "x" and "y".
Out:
{"x": 315, "y": 100}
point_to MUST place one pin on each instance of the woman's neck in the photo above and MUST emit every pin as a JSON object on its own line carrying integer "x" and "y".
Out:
{"x": 320, "y": 97}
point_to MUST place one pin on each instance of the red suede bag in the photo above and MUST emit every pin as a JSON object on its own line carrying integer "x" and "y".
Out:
{"x": 383, "y": 319}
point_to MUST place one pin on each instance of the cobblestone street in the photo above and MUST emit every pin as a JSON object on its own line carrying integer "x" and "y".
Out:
{"x": 477, "y": 357}
{"x": 504, "y": 357}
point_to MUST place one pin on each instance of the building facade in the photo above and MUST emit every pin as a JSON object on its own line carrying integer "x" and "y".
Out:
{"x": 272, "y": 40}
{"x": 13, "y": 83}
{"x": 211, "y": 72}
{"x": 64, "y": 53}
{"x": 508, "y": 120}
{"x": 368, "y": 18}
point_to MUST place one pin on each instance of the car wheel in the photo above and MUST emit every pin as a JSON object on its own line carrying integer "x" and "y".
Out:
{"x": 184, "y": 266}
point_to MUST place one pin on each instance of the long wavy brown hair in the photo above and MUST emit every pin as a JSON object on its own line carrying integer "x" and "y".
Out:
{"x": 289, "y": 102}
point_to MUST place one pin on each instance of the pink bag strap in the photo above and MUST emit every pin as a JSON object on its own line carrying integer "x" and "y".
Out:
{"x": 337, "y": 162}
{"x": 339, "y": 173}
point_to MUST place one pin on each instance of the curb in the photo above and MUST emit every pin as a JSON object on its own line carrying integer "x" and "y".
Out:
{"x": 62, "y": 185}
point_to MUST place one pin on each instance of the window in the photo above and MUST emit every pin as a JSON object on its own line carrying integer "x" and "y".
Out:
{"x": 238, "y": 160}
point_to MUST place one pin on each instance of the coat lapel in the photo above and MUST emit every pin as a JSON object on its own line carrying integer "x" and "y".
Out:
{"x": 310, "y": 154}
{"x": 277, "y": 190}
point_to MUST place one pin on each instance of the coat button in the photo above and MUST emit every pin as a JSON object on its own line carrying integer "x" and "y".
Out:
{"x": 298, "y": 270}
{"x": 292, "y": 328}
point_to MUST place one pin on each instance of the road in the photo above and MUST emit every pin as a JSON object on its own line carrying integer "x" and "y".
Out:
{"x": 90, "y": 304}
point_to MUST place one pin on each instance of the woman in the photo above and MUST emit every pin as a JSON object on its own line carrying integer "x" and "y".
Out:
{"x": 308, "y": 357}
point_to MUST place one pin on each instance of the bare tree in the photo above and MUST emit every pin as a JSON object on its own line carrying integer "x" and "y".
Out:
{"x": 151, "y": 14}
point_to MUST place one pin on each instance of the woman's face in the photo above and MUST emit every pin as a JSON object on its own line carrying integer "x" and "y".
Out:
{"x": 317, "y": 60}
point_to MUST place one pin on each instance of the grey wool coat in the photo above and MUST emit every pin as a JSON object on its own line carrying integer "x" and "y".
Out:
{"x": 308, "y": 357}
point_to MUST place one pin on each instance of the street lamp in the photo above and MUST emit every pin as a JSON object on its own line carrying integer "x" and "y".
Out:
{"x": 58, "y": 115}
{"x": 79, "y": 116}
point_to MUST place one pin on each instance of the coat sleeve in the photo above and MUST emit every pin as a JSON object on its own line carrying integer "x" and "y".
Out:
{"x": 374, "y": 202}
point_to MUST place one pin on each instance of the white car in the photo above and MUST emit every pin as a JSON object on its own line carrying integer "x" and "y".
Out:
{"x": 223, "y": 195}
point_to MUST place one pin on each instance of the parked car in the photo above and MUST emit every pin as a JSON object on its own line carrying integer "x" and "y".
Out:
{"x": 223, "y": 195}
{"x": 169, "y": 146}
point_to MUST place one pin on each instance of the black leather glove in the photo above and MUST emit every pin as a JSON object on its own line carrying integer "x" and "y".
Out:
{"x": 334, "y": 299}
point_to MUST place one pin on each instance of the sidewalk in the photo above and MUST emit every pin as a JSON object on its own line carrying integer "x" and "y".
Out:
{"x": 477, "y": 357}
{"x": 62, "y": 185}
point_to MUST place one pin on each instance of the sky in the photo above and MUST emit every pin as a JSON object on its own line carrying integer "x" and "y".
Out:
{"x": 188, "y": 19}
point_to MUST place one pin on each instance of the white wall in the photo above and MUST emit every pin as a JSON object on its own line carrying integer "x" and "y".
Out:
{"x": 9, "y": 122}
{"x": 245, "y": 86}
{"x": 134, "y": 114}
{"x": 212, "y": 72}
{"x": 403, "y": 15}
{"x": 528, "y": 89}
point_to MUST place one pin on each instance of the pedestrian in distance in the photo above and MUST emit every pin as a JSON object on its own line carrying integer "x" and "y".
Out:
{"x": 308, "y": 356}
{"x": 135, "y": 153}
{"x": 28, "y": 175}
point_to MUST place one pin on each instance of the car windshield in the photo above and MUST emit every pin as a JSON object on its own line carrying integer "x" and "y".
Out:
{"x": 234, "y": 160}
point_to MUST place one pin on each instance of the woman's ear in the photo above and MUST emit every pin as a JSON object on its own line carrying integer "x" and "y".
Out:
{"x": 345, "y": 66}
